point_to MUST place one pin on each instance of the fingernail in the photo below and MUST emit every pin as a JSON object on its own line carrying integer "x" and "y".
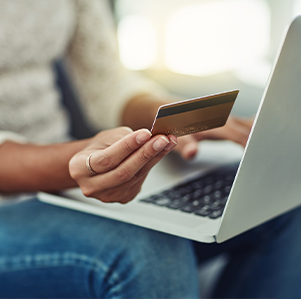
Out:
{"x": 171, "y": 144}
{"x": 143, "y": 136}
{"x": 160, "y": 143}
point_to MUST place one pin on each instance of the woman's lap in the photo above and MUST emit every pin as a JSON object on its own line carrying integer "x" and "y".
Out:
{"x": 49, "y": 251}
{"x": 264, "y": 262}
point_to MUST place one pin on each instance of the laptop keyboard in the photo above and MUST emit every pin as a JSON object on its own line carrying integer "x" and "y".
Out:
{"x": 204, "y": 196}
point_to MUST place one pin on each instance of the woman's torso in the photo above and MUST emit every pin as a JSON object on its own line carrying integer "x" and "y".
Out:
{"x": 33, "y": 34}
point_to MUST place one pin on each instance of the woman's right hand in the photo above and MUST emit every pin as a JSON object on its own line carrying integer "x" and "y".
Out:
{"x": 121, "y": 160}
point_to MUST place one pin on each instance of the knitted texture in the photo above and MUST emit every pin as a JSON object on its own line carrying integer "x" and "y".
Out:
{"x": 33, "y": 34}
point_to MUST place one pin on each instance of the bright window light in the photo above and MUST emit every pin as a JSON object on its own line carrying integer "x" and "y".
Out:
{"x": 212, "y": 37}
{"x": 137, "y": 42}
{"x": 255, "y": 74}
{"x": 297, "y": 8}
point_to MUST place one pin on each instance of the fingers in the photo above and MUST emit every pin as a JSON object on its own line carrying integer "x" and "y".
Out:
{"x": 122, "y": 194}
{"x": 244, "y": 122}
{"x": 233, "y": 134}
{"x": 236, "y": 130}
{"x": 121, "y": 183}
{"x": 133, "y": 186}
{"x": 187, "y": 147}
{"x": 120, "y": 161}
{"x": 106, "y": 159}
{"x": 237, "y": 135}
{"x": 126, "y": 170}
{"x": 123, "y": 162}
{"x": 144, "y": 170}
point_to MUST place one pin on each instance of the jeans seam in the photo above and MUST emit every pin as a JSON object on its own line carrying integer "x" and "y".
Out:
{"x": 55, "y": 259}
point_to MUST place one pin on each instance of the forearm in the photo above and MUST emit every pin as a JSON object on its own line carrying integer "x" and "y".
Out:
{"x": 140, "y": 111}
{"x": 29, "y": 167}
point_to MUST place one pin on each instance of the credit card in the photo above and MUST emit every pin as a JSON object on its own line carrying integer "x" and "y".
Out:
{"x": 194, "y": 115}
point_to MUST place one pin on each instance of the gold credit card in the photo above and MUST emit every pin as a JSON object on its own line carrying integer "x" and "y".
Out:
{"x": 194, "y": 115}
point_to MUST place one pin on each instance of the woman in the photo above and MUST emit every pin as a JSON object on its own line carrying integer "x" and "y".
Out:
{"x": 48, "y": 251}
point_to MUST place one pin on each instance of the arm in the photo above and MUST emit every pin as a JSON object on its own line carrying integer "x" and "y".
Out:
{"x": 141, "y": 110}
{"x": 104, "y": 86}
{"x": 113, "y": 96}
{"x": 121, "y": 159}
{"x": 29, "y": 167}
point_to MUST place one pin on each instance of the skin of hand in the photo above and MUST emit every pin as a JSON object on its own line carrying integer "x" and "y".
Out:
{"x": 141, "y": 111}
{"x": 236, "y": 129}
{"x": 122, "y": 159}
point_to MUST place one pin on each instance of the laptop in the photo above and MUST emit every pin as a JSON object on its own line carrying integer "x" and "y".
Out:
{"x": 227, "y": 190}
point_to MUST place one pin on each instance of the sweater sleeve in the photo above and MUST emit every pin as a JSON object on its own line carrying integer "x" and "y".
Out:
{"x": 102, "y": 83}
{"x": 11, "y": 136}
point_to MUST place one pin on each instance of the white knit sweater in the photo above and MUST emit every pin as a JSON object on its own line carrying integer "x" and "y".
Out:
{"x": 34, "y": 33}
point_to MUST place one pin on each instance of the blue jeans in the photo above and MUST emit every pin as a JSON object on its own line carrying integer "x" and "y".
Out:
{"x": 52, "y": 252}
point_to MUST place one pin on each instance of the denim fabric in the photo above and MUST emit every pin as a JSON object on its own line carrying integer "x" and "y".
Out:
{"x": 52, "y": 252}
{"x": 264, "y": 262}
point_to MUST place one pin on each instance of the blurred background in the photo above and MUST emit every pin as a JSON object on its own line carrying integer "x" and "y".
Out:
{"x": 199, "y": 47}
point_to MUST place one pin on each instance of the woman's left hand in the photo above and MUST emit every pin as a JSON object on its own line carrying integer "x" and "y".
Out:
{"x": 236, "y": 129}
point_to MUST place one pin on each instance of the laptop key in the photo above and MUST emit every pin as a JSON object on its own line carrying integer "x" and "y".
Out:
{"x": 189, "y": 208}
{"x": 216, "y": 214}
{"x": 173, "y": 194}
{"x": 216, "y": 206}
{"x": 179, "y": 202}
{"x": 218, "y": 185}
{"x": 223, "y": 200}
{"x": 197, "y": 194}
{"x": 217, "y": 195}
{"x": 162, "y": 201}
{"x": 204, "y": 196}
{"x": 204, "y": 211}
{"x": 184, "y": 190}
{"x": 227, "y": 189}
{"x": 197, "y": 185}
{"x": 150, "y": 199}
{"x": 208, "y": 189}
{"x": 209, "y": 180}
{"x": 207, "y": 199}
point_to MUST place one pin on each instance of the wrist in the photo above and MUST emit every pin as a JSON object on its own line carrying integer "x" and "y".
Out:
{"x": 30, "y": 167}
{"x": 141, "y": 111}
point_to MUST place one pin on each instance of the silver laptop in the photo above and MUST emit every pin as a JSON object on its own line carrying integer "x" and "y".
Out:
{"x": 226, "y": 191}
